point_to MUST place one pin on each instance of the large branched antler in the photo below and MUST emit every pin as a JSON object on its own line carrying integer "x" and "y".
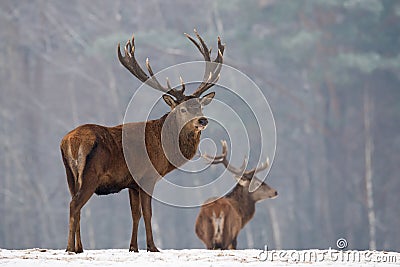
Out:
{"x": 236, "y": 171}
{"x": 222, "y": 159}
{"x": 211, "y": 75}
{"x": 258, "y": 169}
{"x": 213, "y": 69}
{"x": 129, "y": 62}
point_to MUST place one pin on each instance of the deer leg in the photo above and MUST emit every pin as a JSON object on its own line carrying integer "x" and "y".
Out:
{"x": 234, "y": 243}
{"x": 77, "y": 202}
{"x": 136, "y": 214}
{"x": 78, "y": 242}
{"x": 72, "y": 189}
{"x": 71, "y": 233}
{"x": 209, "y": 244}
{"x": 145, "y": 199}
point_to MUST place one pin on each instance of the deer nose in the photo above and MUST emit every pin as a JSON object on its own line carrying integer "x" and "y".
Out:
{"x": 203, "y": 121}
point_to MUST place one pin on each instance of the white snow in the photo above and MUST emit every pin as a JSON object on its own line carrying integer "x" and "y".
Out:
{"x": 197, "y": 257}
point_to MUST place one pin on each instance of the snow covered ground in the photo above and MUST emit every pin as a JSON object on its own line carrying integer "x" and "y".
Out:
{"x": 197, "y": 257}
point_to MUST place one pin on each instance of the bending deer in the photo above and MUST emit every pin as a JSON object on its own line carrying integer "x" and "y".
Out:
{"x": 95, "y": 161}
{"x": 220, "y": 220}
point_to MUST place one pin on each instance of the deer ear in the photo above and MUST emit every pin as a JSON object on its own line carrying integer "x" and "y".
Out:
{"x": 205, "y": 100}
{"x": 241, "y": 181}
{"x": 170, "y": 101}
{"x": 244, "y": 182}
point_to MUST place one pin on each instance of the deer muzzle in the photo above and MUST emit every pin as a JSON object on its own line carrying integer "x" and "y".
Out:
{"x": 201, "y": 123}
{"x": 274, "y": 195}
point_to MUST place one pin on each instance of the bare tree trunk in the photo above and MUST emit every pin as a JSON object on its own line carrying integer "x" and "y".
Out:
{"x": 74, "y": 107}
{"x": 249, "y": 237}
{"x": 157, "y": 231}
{"x": 92, "y": 239}
{"x": 218, "y": 21}
{"x": 275, "y": 227}
{"x": 369, "y": 147}
{"x": 7, "y": 203}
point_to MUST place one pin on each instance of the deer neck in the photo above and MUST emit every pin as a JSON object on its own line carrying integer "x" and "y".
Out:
{"x": 246, "y": 206}
{"x": 187, "y": 142}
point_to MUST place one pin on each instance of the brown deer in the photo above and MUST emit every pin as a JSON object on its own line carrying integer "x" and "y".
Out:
{"x": 96, "y": 161}
{"x": 220, "y": 220}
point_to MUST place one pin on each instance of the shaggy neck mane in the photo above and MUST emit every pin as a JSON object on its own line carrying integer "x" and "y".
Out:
{"x": 246, "y": 205}
{"x": 188, "y": 139}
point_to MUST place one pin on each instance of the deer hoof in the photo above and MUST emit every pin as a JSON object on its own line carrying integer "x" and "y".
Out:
{"x": 131, "y": 248}
{"x": 70, "y": 250}
{"x": 152, "y": 249}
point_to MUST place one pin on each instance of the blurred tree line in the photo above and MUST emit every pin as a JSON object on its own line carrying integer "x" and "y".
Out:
{"x": 330, "y": 70}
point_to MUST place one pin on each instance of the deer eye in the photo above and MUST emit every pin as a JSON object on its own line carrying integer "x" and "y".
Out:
{"x": 183, "y": 110}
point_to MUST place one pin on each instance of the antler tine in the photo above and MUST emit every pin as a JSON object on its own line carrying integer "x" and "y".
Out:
{"x": 168, "y": 84}
{"x": 244, "y": 164}
{"x": 217, "y": 159}
{"x": 221, "y": 48}
{"x": 182, "y": 85}
{"x": 129, "y": 62}
{"x": 178, "y": 94}
{"x": 153, "y": 78}
{"x": 222, "y": 159}
{"x": 203, "y": 48}
{"x": 237, "y": 171}
{"x": 263, "y": 166}
{"x": 210, "y": 82}
{"x": 212, "y": 160}
{"x": 212, "y": 70}
{"x": 228, "y": 166}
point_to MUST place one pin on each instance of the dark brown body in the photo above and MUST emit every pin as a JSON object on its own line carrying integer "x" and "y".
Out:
{"x": 218, "y": 224}
{"x": 220, "y": 220}
{"x": 94, "y": 161}
{"x": 105, "y": 160}
{"x": 238, "y": 208}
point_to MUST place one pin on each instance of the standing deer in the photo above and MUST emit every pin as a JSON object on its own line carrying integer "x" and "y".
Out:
{"x": 96, "y": 161}
{"x": 220, "y": 220}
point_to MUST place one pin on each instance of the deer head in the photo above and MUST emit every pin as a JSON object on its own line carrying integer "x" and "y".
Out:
{"x": 186, "y": 109}
{"x": 243, "y": 177}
